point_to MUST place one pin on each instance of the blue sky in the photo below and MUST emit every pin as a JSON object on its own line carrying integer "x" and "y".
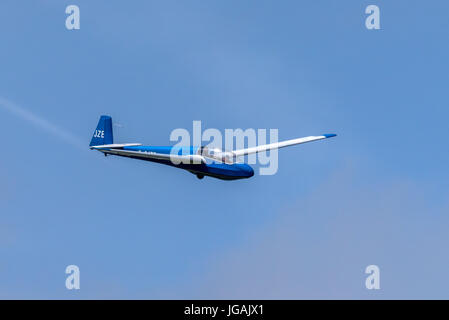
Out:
{"x": 376, "y": 194}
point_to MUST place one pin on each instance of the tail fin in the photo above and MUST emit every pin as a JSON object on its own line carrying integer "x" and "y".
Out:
{"x": 103, "y": 133}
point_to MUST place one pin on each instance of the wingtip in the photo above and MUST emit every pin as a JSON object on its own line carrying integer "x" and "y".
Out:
{"x": 329, "y": 135}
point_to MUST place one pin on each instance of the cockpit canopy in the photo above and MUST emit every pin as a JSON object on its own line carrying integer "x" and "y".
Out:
{"x": 217, "y": 155}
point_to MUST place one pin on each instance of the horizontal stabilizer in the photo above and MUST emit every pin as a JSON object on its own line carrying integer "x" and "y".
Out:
{"x": 116, "y": 145}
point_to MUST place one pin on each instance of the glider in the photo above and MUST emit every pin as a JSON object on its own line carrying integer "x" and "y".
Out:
{"x": 201, "y": 161}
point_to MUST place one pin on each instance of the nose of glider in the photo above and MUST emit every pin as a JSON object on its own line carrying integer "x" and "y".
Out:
{"x": 247, "y": 171}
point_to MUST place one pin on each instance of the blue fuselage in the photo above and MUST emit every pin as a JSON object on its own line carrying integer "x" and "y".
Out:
{"x": 211, "y": 168}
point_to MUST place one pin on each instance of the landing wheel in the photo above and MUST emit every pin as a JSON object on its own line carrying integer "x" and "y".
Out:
{"x": 200, "y": 176}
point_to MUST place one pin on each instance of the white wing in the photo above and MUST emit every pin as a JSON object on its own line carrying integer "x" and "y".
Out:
{"x": 277, "y": 145}
{"x": 176, "y": 159}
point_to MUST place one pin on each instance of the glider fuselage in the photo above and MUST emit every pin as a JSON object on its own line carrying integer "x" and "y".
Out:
{"x": 211, "y": 168}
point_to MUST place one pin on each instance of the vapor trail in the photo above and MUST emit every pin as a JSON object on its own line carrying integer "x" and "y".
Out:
{"x": 41, "y": 123}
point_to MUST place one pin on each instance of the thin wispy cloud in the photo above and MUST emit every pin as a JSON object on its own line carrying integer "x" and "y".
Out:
{"x": 41, "y": 123}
